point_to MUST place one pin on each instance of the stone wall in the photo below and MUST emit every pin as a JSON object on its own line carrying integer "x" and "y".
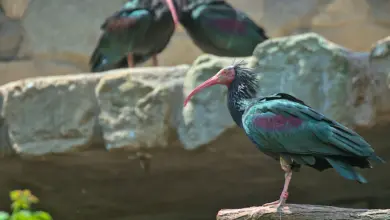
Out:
{"x": 123, "y": 108}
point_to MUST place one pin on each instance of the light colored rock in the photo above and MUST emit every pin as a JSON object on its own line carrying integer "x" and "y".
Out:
{"x": 11, "y": 38}
{"x": 282, "y": 17}
{"x": 67, "y": 25}
{"x": 51, "y": 114}
{"x": 14, "y": 9}
{"x": 349, "y": 23}
{"x": 5, "y": 146}
{"x": 206, "y": 115}
{"x": 139, "y": 108}
{"x": 380, "y": 68}
{"x": 319, "y": 72}
{"x": 20, "y": 69}
{"x": 379, "y": 11}
{"x": 338, "y": 82}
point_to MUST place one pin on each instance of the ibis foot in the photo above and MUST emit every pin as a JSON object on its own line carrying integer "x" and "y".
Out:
{"x": 279, "y": 203}
{"x": 284, "y": 195}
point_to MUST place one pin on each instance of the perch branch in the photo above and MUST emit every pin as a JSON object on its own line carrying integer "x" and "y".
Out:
{"x": 300, "y": 212}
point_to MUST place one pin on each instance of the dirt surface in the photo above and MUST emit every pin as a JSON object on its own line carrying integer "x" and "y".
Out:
{"x": 183, "y": 185}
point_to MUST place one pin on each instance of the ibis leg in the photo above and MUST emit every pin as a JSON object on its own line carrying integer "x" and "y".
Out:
{"x": 130, "y": 61}
{"x": 284, "y": 195}
{"x": 155, "y": 61}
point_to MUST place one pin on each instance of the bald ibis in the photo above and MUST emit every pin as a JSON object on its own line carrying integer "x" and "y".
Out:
{"x": 287, "y": 129}
{"x": 140, "y": 30}
{"x": 218, "y": 28}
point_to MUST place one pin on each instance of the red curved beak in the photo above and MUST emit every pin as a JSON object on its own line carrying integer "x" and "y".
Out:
{"x": 172, "y": 9}
{"x": 210, "y": 82}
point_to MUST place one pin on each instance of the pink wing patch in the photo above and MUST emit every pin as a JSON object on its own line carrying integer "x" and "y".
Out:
{"x": 120, "y": 23}
{"x": 229, "y": 25}
{"x": 277, "y": 122}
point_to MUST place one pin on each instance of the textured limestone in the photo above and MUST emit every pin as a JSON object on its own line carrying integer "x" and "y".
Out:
{"x": 11, "y": 38}
{"x": 314, "y": 69}
{"x": 51, "y": 114}
{"x": 14, "y": 9}
{"x": 138, "y": 109}
{"x": 143, "y": 107}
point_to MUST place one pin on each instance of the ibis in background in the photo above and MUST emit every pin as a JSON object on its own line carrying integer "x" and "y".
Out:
{"x": 140, "y": 30}
{"x": 218, "y": 28}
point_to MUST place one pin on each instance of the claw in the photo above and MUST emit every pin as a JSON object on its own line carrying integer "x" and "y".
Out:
{"x": 271, "y": 203}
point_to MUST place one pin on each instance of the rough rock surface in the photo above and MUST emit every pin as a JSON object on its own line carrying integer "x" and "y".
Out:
{"x": 379, "y": 60}
{"x": 335, "y": 81}
{"x": 338, "y": 82}
{"x": 138, "y": 109}
{"x": 14, "y": 9}
{"x": 317, "y": 71}
{"x": 343, "y": 22}
{"x": 16, "y": 70}
{"x": 12, "y": 39}
{"x": 52, "y": 114}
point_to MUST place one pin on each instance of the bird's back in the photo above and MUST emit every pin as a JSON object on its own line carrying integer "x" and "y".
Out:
{"x": 122, "y": 32}
{"x": 217, "y": 28}
{"x": 161, "y": 30}
{"x": 285, "y": 126}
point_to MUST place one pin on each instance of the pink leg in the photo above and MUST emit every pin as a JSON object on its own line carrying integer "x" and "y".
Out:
{"x": 155, "y": 61}
{"x": 284, "y": 194}
{"x": 173, "y": 11}
{"x": 130, "y": 61}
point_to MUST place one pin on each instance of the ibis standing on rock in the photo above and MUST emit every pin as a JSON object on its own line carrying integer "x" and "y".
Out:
{"x": 287, "y": 129}
{"x": 218, "y": 28}
{"x": 139, "y": 31}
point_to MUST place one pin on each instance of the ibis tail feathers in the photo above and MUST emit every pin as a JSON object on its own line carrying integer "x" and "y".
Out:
{"x": 346, "y": 170}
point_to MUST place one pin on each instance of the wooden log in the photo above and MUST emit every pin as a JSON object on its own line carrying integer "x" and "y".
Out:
{"x": 303, "y": 212}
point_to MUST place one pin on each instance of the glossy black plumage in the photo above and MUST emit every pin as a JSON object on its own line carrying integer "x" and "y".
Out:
{"x": 287, "y": 129}
{"x": 218, "y": 28}
{"x": 142, "y": 28}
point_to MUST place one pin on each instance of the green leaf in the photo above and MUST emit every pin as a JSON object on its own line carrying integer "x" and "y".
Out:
{"x": 21, "y": 215}
{"x": 4, "y": 215}
{"x": 40, "y": 215}
{"x": 14, "y": 195}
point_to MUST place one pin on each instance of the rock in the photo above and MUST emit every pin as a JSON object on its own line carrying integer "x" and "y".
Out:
{"x": 74, "y": 25}
{"x": 380, "y": 68}
{"x": 51, "y": 114}
{"x": 206, "y": 115}
{"x": 343, "y": 22}
{"x": 324, "y": 80}
{"x": 5, "y": 146}
{"x": 138, "y": 109}
{"x": 335, "y": 81}
{"x": 303, "y": 212}
{"x": 20, "y": 69}
{"x": 283, "y": 17}
{"x": 11, "y": 38}
{"x": 14, "y": 8}
{"x": 379, "y": 11}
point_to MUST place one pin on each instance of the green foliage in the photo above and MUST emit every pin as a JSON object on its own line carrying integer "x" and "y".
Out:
{"x": 21, "y": 207}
